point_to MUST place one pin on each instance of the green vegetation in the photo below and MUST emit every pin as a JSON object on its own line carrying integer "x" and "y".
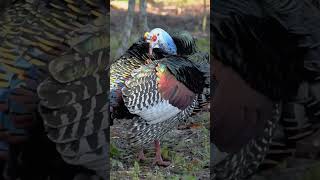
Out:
{"x": 203, "y": 44}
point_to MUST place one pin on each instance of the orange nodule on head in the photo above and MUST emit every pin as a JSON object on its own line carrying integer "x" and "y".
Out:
{"x": 146, "y": 34}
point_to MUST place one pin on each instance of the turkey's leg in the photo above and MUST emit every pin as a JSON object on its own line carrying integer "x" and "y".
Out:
{"x": 141, "y": 156}
{"x": 158, "y": 158}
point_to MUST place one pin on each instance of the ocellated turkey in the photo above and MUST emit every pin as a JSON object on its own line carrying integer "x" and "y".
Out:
{"x": 158, "y": 94}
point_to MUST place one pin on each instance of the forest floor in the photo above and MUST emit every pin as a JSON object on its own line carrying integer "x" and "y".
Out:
{"x": 188, "y": 150}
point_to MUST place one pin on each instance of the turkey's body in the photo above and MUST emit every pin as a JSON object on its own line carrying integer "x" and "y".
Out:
{"x": 159, "y": 95}
{"x": 157, "y": 114}
{"x": 34, "y": 34}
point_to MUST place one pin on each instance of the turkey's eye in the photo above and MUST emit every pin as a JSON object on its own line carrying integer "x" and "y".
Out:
{"x": 158, "y": 34}
{"x": 154, "y": 38}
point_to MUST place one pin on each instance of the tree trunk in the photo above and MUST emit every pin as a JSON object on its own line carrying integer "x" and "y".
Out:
{"x": 143, "y": 24}
{"x": 127, "y": 28}
{"x": 204, "y": 20}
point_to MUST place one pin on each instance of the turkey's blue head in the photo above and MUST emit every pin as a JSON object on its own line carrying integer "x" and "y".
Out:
{"x": 158, "y": 38}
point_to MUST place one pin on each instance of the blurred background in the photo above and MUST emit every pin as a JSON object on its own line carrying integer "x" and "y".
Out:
{"x": 131, "y": 18}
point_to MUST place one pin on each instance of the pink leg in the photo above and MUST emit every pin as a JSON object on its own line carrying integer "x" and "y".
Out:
{"x": 158, "y": 159}
{"x": 141, "y": 156}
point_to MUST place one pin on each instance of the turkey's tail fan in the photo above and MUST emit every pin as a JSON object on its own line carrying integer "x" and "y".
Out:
{"x": 185, "y": 42}
{"x": 74, "y": 103}
{"x": 202, "y": 62}
{"x": 300, "y": 122}
{"x": 187, "y": 47}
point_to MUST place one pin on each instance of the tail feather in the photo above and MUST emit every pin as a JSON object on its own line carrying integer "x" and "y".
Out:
{"x": 185, "y": 42}
{"x": 92, "y": 142}
{"x": 89, "y": 158}
{"x": 57, "y": 95}
{"x": 82, "y": 128}
{"x": 202, "y": 62}
{"x": 65, "y": 69}
{"x": 70, "y": 114}
{"x": 74, "y": 105}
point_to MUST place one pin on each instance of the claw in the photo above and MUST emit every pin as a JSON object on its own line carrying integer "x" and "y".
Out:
{"x": 160, "y": 162}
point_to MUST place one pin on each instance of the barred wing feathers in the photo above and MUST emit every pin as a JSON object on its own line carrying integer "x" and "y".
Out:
{"x": 161, "y": 94}
{"x": 121, "y": 69}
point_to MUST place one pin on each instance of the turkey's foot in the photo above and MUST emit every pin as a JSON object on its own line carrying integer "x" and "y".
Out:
{"x": 158, "y": 158}
{"x": 160, "y": 162}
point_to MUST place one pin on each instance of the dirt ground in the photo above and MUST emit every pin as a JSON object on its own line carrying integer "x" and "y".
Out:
{"x": 187, "y": 149}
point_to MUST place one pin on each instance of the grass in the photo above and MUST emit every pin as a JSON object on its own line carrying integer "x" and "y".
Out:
{"x": 203, "y": 44}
